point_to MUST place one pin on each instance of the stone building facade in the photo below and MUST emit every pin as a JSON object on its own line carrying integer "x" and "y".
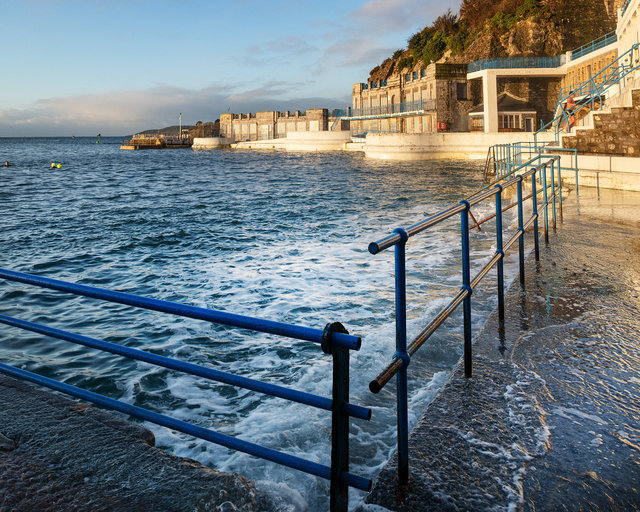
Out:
{"x": 272, "y": 124}
{"x": 418, "y": 100}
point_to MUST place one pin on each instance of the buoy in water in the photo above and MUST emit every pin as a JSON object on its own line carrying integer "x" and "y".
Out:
{"x": 53, "y": 164}
{"x": 59, "y": 166}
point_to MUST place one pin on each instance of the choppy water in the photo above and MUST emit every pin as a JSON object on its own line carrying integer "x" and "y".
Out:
{"x": 275, "y": 235}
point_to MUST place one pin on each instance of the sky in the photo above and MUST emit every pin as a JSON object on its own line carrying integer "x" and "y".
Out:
{"x": 83, "y": 67}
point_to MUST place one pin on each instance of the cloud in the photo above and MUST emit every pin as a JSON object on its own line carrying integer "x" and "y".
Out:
{"x": 390, "y": 16}
{"x": 372, "y": 32}
{"x": 126, "y": 112}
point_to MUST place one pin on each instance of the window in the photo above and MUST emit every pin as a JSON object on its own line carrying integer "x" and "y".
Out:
{"x": 423, "y": 73}
{"x": 415, "y": 75}
{"x": 461, "y": 91}
{"x": 407, "y": 77}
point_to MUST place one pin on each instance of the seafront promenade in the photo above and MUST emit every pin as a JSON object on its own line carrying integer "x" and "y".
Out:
{"x": 550, "y": 419}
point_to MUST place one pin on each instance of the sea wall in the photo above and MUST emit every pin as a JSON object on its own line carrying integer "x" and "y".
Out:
{"x": 302, "y": 141}
{"x": 430, "y": 146}
{"x": 211, "y": 142}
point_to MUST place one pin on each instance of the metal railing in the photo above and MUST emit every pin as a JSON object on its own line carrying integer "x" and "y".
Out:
{"x": 334, "y": 340}
{"x": 516, "y": 63}
{"x": 594, "y": 45}
{"x": 625, "y": 5}
{"x": 399, "y": 239}
{"x": 509, "y": 159}
{"x": 591, "y": 92}
{"x": 392, "y": 109}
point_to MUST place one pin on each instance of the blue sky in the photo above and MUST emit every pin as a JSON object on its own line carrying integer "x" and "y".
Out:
{"x": 116, "y": 67}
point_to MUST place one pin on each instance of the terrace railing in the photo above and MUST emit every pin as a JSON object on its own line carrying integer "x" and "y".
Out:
{"x": 550, "y": 187}
{"x": 391, "y": 110}
{"x": 333, "y": 339}
{"x": 590, "y": 95}
{"x": 516, "y": 63}
{"x": 594, "y": 45}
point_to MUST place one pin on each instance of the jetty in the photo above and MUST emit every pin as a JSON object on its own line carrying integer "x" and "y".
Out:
{"x": 142, "y": 141}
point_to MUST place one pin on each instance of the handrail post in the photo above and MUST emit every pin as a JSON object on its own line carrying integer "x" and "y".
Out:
{"x": 546, "y": 203}
{"x": 466, "y": 285}
{"x": 401, "y": 352}
{"x": 560, "y": 186}
{"x": 500, "y": 250}
{"x": 520, "y": 229}
{"x": 553, "y": 192}
{"x": 534, "y": 207}
{"x": 576, "y": 170}
{"x": 339, "y": 492}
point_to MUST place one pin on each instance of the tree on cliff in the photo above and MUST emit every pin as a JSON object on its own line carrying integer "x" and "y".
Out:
{"x": 504, "y": 28}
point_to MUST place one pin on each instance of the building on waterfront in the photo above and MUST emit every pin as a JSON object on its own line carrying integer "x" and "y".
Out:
{"x": 272, "y": 124}
{"x": 417, "y": 100}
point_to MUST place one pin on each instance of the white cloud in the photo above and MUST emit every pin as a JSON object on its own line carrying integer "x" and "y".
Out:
{"x": 125, "y": 112}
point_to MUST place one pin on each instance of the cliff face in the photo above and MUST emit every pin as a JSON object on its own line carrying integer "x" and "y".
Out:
{"x": 504, "y": 28}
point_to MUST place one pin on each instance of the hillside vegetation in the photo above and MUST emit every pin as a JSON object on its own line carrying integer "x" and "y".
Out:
{"x": 503, "y": 28}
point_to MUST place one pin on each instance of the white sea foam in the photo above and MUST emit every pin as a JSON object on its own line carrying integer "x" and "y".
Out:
{"x": 571, "y": 413}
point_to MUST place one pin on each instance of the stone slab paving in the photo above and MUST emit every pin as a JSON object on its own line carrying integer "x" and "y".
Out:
{"x": 60, "y": 455}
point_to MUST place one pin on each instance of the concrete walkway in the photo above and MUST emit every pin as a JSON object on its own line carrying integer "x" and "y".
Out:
{"x": 550, "y": 419}
{"x": 60, "y": 455}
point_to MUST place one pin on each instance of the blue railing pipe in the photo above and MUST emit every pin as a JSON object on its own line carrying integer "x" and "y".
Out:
{"x": 534, "y": 199}
{"x": 192, "y": 369}
{"x": 399, "y": 238}
{"x": 553, "y": 194}
{"x": 332, "y": 340}
{"x": 500, "y": 251}
{"x": 193, "y": 430}
{"x": 546, "y": 204}
{"x": 401, "y": 353}
{"x": 339, "y": 495}
{"x": 520, "y": 229}
{"x": 466, "y": 285}
{"x": 210, "y": 315}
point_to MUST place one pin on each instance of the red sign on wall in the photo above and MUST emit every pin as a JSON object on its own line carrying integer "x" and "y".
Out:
{"x": 442, "y": 125}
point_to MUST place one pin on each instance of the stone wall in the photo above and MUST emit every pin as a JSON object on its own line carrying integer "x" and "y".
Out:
{"x": 272, "y": 124}
{"x": 615, "y": 133}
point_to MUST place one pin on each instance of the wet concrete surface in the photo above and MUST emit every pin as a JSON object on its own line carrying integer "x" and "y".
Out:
{"x": 60, "y": 455}
{"x": 550, "y": 419}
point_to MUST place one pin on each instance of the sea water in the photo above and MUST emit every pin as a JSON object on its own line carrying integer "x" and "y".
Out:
{"x": 275, "y": 235}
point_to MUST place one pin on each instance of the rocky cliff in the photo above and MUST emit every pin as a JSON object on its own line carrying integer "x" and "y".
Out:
{"x": 504, "y": 28}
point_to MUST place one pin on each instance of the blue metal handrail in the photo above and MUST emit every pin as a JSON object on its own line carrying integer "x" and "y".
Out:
{"x": 516, "y": 63}
{"x": 624, "y": 6}
{"x": 334, "y": 340}
{"x": 399, "y": 238}
{"x": 591, "y": 93}
{"x": 594, "y": 45}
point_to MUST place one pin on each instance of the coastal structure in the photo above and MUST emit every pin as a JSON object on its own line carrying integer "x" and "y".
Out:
{"x": 436, "y": 98}
{"x": 273, "y": 124}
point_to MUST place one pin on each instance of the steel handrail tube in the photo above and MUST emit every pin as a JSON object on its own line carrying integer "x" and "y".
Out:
{"x": 202, "y": 433}
{"x": 485, "y": 270}
{"x": 210, "y": 315}
{"x": 192, "y": 369}
{"x": 376, "y": 385}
